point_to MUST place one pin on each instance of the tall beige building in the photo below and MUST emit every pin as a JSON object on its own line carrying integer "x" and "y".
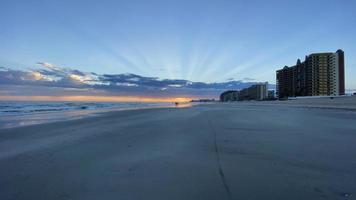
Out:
{"x": 325, "y": 73}
{"x": 255, "y": 92}
{"x": 320, "y": 74}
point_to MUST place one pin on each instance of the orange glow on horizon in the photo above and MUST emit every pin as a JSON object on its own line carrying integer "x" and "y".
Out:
{"x": 95, "y": 98}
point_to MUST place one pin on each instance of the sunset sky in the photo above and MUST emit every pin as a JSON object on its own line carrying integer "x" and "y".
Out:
{"x": 194, "y": 48}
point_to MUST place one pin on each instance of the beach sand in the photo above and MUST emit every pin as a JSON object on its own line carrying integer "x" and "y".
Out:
{"x": 219, "y": 151}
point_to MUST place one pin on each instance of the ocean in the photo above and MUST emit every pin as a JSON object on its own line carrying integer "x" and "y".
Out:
{"x": 14, "y": 114}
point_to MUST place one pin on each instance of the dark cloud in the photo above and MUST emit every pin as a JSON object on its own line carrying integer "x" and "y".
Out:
{"x": 248, "y": 79}
{"x": 51, "y": 80}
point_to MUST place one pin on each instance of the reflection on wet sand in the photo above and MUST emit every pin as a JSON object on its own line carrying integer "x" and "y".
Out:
{"x": 9, "y": 120}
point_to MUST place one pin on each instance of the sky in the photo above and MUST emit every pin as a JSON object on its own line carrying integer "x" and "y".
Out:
{"x": 210, "y": 41}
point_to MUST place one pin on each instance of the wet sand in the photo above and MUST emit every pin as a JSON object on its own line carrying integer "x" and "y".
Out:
{"x": 215, "y": 151}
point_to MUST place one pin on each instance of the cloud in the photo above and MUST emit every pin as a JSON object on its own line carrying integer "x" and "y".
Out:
{"x": 51, "y": 80}
{"x": 45, "y": 64}
{"x": 248, "y": 79}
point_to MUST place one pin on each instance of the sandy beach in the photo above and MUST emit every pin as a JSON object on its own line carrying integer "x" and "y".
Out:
{"x": 250, "y": 150}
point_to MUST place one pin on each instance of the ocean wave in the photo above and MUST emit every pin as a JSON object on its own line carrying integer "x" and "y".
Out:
{"x": 18, "y": 108}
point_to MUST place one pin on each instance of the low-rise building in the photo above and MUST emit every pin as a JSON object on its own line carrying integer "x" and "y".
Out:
{"x": 202, "y": 100}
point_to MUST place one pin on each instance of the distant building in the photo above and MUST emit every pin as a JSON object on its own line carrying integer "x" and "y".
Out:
{"x": 230, "y": 95}
{"x": 255, "y": 92}
{"x": 320, "y": 74}
{"x": 202, "y": 100}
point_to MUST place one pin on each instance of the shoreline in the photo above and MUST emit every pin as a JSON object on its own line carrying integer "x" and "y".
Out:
{"x": 28, "y": 119}
{"x": 313, "y": 103}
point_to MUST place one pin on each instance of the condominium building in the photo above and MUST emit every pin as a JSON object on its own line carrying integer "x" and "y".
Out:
{"x": 230, "y": 95}
{"x": 255, "y": 92}
{"x": 320, "y": 74}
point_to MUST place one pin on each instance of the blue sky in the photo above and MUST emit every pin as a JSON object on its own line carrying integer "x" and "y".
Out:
{"x": 197, "y": 40}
